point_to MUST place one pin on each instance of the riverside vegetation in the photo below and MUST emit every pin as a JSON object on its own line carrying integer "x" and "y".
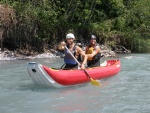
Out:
{"x": 30, "y": 26}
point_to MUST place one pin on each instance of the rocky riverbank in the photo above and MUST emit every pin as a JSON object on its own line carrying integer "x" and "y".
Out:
{"x": 12, "y": 55}
{"x": 9, "y": 55}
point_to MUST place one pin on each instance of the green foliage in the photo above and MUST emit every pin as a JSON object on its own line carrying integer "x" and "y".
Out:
{"x": 113, "y": 8}
{"x": 42, "y": 22}
{"x": 135, "y": 42}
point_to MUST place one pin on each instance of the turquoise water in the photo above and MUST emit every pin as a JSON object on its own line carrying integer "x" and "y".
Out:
{"x": 127, "y": 92}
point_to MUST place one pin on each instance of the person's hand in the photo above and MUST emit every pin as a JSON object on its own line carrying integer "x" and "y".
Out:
{"x": 62, "y": 45}
{"x": 82, "y": 66}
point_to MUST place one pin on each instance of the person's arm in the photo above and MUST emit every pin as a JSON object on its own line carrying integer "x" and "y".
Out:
{"x": 81, "y": 52}
{"x": 97, "y": 50}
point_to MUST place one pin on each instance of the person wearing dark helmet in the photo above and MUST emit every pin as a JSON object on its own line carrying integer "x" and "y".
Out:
{"x": 93, "y": 53}
{"x": 76, "y": 51}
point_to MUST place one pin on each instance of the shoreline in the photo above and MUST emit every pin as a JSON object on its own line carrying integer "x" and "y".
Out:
{"x": 8, "y": 55}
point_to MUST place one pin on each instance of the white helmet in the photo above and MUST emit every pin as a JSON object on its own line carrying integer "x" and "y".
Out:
{"x": 70, "y": 35}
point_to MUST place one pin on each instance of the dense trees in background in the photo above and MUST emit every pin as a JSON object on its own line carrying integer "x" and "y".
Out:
{"x": 36, "y": 25}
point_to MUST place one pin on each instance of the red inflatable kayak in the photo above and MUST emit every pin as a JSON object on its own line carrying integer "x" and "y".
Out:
{"x": 44, "y": 75}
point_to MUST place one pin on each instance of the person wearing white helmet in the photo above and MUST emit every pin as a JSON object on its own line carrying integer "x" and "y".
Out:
{"x": 76, "y": 51}
{"x": 93, "y": 53}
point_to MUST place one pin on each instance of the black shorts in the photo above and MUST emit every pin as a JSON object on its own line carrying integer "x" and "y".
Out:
{"x": 93, "y": 63}
{"x": 70, "y": 66}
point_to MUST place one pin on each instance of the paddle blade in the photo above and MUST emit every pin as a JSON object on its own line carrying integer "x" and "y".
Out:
{"x": 94, "y": 82}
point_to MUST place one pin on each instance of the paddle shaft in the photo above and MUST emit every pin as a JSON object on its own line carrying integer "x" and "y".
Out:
{"x": 94, "y": 82}
{"x": 73, "y": 56}
{"x": 87, "y": 74}
{"x": 77, "y": 61}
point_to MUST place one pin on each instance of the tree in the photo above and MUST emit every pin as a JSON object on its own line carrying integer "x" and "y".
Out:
{"x": 7, "y": 21}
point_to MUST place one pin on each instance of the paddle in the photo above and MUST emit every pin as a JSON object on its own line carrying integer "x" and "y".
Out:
{"x": 94, "y": 82}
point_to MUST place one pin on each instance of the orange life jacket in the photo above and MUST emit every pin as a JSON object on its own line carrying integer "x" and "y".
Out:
{"x": 90, "y": 49}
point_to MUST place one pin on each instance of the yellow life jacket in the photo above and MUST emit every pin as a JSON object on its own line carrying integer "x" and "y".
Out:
{"x": 89, "y": 50}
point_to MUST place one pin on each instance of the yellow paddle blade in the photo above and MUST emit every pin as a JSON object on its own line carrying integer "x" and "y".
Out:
{"x": 94, "y": 82}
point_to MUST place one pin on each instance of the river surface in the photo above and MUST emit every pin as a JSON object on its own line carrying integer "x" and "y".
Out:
{"x": 126, "y": 92}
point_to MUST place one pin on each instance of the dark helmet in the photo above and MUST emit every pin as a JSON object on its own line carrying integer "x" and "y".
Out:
{"x": 93, "y": 37}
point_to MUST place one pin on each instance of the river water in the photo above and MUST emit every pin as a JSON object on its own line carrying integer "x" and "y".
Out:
{"x": 126, "y": 92}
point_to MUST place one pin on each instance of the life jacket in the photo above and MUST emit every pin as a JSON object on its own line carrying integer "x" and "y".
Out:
{"x": 68, "y": 59}
{"x": 90, "y": 49}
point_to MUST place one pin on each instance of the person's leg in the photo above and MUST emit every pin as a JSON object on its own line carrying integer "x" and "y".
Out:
{"x": 96, "y": 64}
{"x": 93, "y": 63}
{"x": 63, "y": 66}
{"x": 68, "y": 66}
{"x": 89, "y": 63}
